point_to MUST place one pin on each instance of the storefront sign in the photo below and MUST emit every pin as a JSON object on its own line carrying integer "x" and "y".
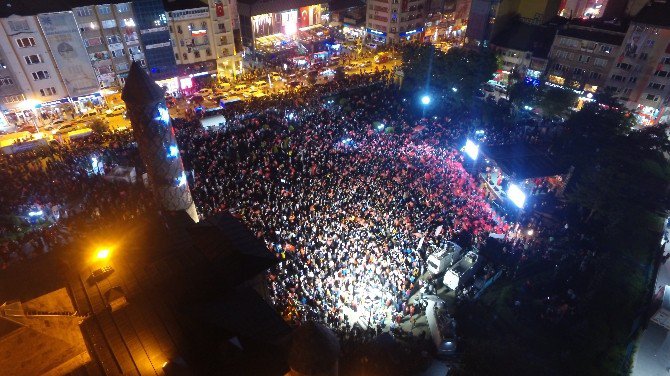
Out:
{"x": 376, "y": 32}
{"x": 157, "y": 45}
{"x": 408, "y": 33}
{"x": 153, "y": 30}
{"x": 74, "y": 64}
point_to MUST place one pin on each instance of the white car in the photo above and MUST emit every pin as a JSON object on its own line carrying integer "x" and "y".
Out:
{"x": 204, "y": 92}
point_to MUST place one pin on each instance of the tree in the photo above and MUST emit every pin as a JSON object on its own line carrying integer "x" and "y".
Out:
{"x": 458, "y": 73}
{"x": 522, "y": 94}
{"x": 99, "y": 126}
{"x": 556, "y": 102}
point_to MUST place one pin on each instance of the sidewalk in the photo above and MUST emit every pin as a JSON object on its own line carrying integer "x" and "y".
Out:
{"x": 652, "y": 357}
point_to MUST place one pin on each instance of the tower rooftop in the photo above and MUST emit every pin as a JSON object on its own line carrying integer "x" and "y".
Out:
{"x": 140, "y": 88}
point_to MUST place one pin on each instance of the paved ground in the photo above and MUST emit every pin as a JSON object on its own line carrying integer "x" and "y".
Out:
{"x": 653, "y": 354}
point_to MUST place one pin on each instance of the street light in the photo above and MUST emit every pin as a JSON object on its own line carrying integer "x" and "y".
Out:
{"x": 102, "y": 254}
{"x": 425, "y": 100}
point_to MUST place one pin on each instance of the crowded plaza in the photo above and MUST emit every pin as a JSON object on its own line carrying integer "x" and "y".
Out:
{"x": 347, "y": 186}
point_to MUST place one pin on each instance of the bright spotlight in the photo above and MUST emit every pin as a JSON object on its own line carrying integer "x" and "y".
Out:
{"x": 425, "y": 100}
{"x": 173, "y": 151}
{"x": 530, "y": 232}
{"x": 36, "y": 213}
{"x": 516, "y": 195}
{"x": 471, "y": 149}
{"x": 102, "y": 254}
{"x": 454, "y": 89}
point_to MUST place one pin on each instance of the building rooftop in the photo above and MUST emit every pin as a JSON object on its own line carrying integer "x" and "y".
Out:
{"x": 526, "y": 37}
{"x": 338, "y": 5}
{"x": 592, "y": 34}
{"x": 172, "y": 5}
{"x": 33, "y": 7}
{"x": 655, "y": 13}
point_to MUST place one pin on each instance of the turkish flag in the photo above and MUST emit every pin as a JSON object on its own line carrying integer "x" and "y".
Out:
{"x": 219, "y": 9}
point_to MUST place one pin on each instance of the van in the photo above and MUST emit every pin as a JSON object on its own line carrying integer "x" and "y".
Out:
{"x": 444, "y": 257}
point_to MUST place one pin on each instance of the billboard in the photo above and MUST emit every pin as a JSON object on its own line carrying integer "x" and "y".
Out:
{"x": 67, "y": 48}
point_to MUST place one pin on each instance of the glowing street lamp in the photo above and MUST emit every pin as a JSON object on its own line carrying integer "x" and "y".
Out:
{"x": 103, "y": 254}
{"x": 425, "y": 100}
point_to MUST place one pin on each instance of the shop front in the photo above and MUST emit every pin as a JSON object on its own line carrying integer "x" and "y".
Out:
{"x": 376, "y": 35}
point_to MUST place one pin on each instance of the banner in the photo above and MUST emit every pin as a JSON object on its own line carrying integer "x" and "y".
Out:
{"x": 67, "y": 47}
{"x": 219, "y": 9}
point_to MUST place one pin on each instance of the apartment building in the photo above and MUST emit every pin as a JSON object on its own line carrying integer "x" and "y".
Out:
{"x": 392, "y": 21}
{"x": 30, "y": 75}
{"x": 227, "y": 44}
{"x": 640, "y": 75}
{"x": 111, "y": 39}
{"x": 583, "y": 54}
{"x": 192, "y": 37}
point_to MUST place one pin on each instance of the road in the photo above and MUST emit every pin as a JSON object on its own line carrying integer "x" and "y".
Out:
{"x": 652, "y": 357}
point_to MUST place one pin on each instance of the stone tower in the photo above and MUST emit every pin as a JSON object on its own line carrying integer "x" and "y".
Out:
{"x": 153, "y": 131}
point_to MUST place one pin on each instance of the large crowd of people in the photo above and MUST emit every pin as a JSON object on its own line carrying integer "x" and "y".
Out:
{"x": 340, "y": 201}
{"x": 349, "y": 188}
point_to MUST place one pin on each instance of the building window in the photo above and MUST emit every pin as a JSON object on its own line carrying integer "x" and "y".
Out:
{"x": 134, "y": 50}
{"x": 606, "y": 49}
{"x": 25, "y": 42}
{"x": 185, "y": 56}
{"x": 122, "y": 67}
{"x": 113, "y": 39}
{"x": 104, "y": 9}
{"x": 108, "y": 24}
{"x": 617, "y": 77}
{"x": 624, "y": 66}
{"x": 208, "y": 52}
{"x": 632, "y": 80}
{"x": 13, "y": 98}
{"x": 33, "y": 59}
{"x": 84, "y": 12}
{"x": 40, "y": 75}
{"x": 627, "y": 91}
{"x": 652, "y": 97}
{"x": 176, "y": 57}
{"x": 18, "y": 26}
{"x": 667, "y": 59}
{"x": 656, "y": 86}
{"x": 644, "y": 56}
{"x": 119, "y": 53}
{"x": 182, "y": 43}
{"x": 143, "y": 63}
{"x": 48, "y": 91}
{"x": 6, "y": 81}
{"x": 179, "y": 30}
{"x": 222, "y": 27}
{"x": 578, "y": 72}
{"x": 122, "y": 8}
{"x": 584, "y": 58}
{"x": 650, "y": 42}
{"x": 599, "y": 62}
{"x": 595, "y": 75}
{"x": 171, "y": 29}
{"x": 661, "y": 73}
{"x": 91, "y": 42}
{"x": 196, "y": 53}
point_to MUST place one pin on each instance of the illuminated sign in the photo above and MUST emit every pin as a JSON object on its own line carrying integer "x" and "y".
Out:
{"x": 376, "y": 32}
{"x": 410, "y": 32}
{"x": 196, "y": 33}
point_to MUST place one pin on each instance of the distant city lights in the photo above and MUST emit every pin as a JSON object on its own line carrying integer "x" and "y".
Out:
{"x": 35, "y": 213}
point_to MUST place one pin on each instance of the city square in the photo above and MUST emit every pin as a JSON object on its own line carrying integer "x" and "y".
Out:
{"x": 196, "y": 187}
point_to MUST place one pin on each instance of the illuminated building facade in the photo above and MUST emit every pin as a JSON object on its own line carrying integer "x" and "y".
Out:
{"x": 152, "y": 22}
{"x": 640, "y": 76}
{"x": 111, "y": 40}
{"x": 395, "y": 20}
{"x": 264, "y": 18}
{"x": 583, "y": 54}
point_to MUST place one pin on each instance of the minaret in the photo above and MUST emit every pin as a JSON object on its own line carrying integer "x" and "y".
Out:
{"x": 153, "y": 132}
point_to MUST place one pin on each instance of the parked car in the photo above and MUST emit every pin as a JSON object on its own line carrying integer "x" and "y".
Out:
{"x": 205, "y": 92}
{"x": 116, "y": 111}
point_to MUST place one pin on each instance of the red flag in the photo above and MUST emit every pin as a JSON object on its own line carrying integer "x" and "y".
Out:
{"x": 219, "y": 9}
